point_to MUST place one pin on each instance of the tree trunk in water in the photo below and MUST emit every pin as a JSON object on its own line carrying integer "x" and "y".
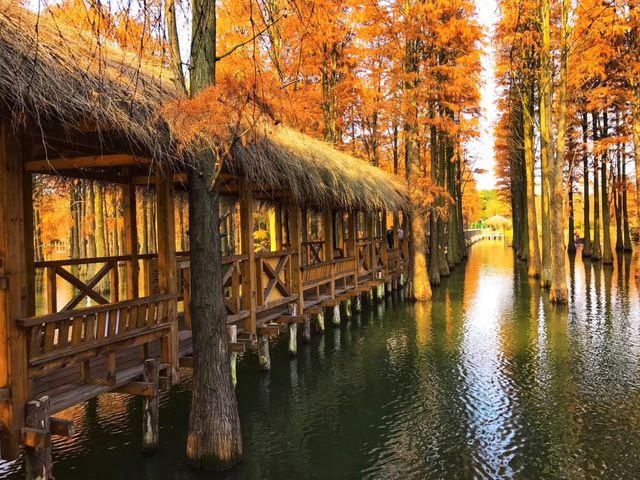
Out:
{"x": 607, "y": 253}
{"x": 571, "y": 246}
{"x": 586, "y": 248}
{"x": 99, "y": 210}
{"x": 596, "y": 251}
{"x": 434, "y": 262}
{"x": 214, "y": 441}
{"x": 559, "y": 292}
{"x": 546, "y": 145}
{"x": 616, "y": 176}
{"x": 532, "y": 221}
{"x": 625, "y": 204}
{"x": 636, "y": 155}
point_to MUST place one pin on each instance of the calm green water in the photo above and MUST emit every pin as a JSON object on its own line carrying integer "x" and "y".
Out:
{"x": 490, "y": 382}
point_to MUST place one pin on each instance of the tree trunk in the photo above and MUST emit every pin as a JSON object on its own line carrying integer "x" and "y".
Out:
{"x": 607, "y": 253}
{"x": 596, "y": 251}
{"x": 559, "y": 292}
{"x": 586, "y": 248}
{"x": 214, "y": 441}
{"x": 636, "y": 155}
{"x": 625, "y": 204}
{"x": 571, "y": 246}
{"x": 99, "y": 215}
{"x": 546, "y": 145}
{"x": 616, "y": 176}
{"x": 532, "y": 221}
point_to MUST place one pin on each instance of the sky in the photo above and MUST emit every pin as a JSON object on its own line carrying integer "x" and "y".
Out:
{"x": 481, "y": 149}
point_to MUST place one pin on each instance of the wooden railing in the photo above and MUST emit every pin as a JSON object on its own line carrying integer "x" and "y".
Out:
{"x": 345, "y": 266}
{"x": 76, "y": 336}
{"x": 314, "y": 274}
{"x": 273, "y": 278}
{"x": 232, "y": 267}
{"x": 364, "y": 256}
{"x": 313, "y": 252}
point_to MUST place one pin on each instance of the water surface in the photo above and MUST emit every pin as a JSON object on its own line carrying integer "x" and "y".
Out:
{"x": 491, "y": 381}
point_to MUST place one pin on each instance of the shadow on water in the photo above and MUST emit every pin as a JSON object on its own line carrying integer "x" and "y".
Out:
{"x": 488, "y": 381}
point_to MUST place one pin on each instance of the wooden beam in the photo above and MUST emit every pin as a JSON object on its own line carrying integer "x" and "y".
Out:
{"x": 91, "y": 161}
{"x": 291, "y": 319}
{"x": 142, "y": 389}
{"x": 268, "y": 330}
{"x": 186, "y": 362}
{"x": 35, "y": 437}
{"x": 237, "y": 347}
{"x": 61, "y": 427}
{"x": 295, "y": 239}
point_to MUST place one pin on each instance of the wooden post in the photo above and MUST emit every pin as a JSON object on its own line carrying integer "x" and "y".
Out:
{"x": 295, "y": 232}
{"x": 347, "y": 308}
{"x": 327, "y": 221}
{"x": 17, "y": 299}
{"x": 246, "y": 240}
{"x": 293, "y": 331}
{"x": 263, "y": 352}
{"x": 36, "y": 437}
{"x": 358, "y": 303}
{"x": 232, "y": 333}
{"x": 131, "y": 236}
{"x": 52, "y": 290}
{"x": 306, "y": 330}
{"x": 372, "y": 245}
{"x": 353, "y": 243}
{"x": 151, "y": 407}
{"x": 335, "y": 317}
{"x": 167, "y": 274}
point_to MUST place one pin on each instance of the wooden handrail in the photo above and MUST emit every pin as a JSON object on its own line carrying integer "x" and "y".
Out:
{"x": 56, "y": 317}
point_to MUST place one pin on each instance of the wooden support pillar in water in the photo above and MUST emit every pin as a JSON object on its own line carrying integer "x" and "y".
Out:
{"x": 293, "y": 331}
{"x": 335, "y": 318}
{"x": 319, "y": 322}
{"x": 151, "y": 407}
{"x": 263, "y": 352}
{"x": 232, "y": 334}
{"x": 36, "y": 438}
{"x": 347, "y": 308}
{"x": 358, "y": 304}
{"x": 388, "y": 286}
{"x": 306, "y": 330}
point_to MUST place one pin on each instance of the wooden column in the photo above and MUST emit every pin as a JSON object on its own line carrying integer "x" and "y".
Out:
{"x": 151, "y": 407}
{"x": 372, "y": 248}
{"x": 36, "y": 437}
{"x": 167, "y": 281}
{"x": 295, "y": 232}
{"x": 327, "y": 223}
{"x": 131, "y": 236}
{"x": 249, "y": 266}
{"x": 385, "y": 245}
{"x": 353, "y": 243}
{"x": 16, "y": 287}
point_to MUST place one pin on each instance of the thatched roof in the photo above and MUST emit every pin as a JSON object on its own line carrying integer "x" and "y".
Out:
{"x": 53, "y": 73}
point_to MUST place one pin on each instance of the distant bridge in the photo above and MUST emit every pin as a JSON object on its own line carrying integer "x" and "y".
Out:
{"x": 475, "y": 235}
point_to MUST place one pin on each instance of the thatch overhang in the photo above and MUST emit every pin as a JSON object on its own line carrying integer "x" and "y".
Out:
{"x": 52, "y": 74}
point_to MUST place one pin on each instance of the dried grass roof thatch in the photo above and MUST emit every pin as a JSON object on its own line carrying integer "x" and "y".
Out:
{"x": 314, "y": 170}
{"x": 55, "y": 73}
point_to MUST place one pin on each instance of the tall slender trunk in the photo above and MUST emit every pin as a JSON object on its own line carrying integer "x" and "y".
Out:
{"x": 99, "y": 213}
{"x": 534, "y": 266}
{"x": 625, "y": 204}
{"x": 546, "y": 145}
{"x": 559, "y": 292}
{"x": 596, "y": 250}
{"x": 607, "y": 253}
{"x": 434, "y": 262}
{"x": 586, "y": 249}
{"x": 636, "y": 156}
{"x": 571, "y": 245}
{"x": 214, "y": 441}
{"x": 420, "y": 287}
{"x": 616, "y": 180}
